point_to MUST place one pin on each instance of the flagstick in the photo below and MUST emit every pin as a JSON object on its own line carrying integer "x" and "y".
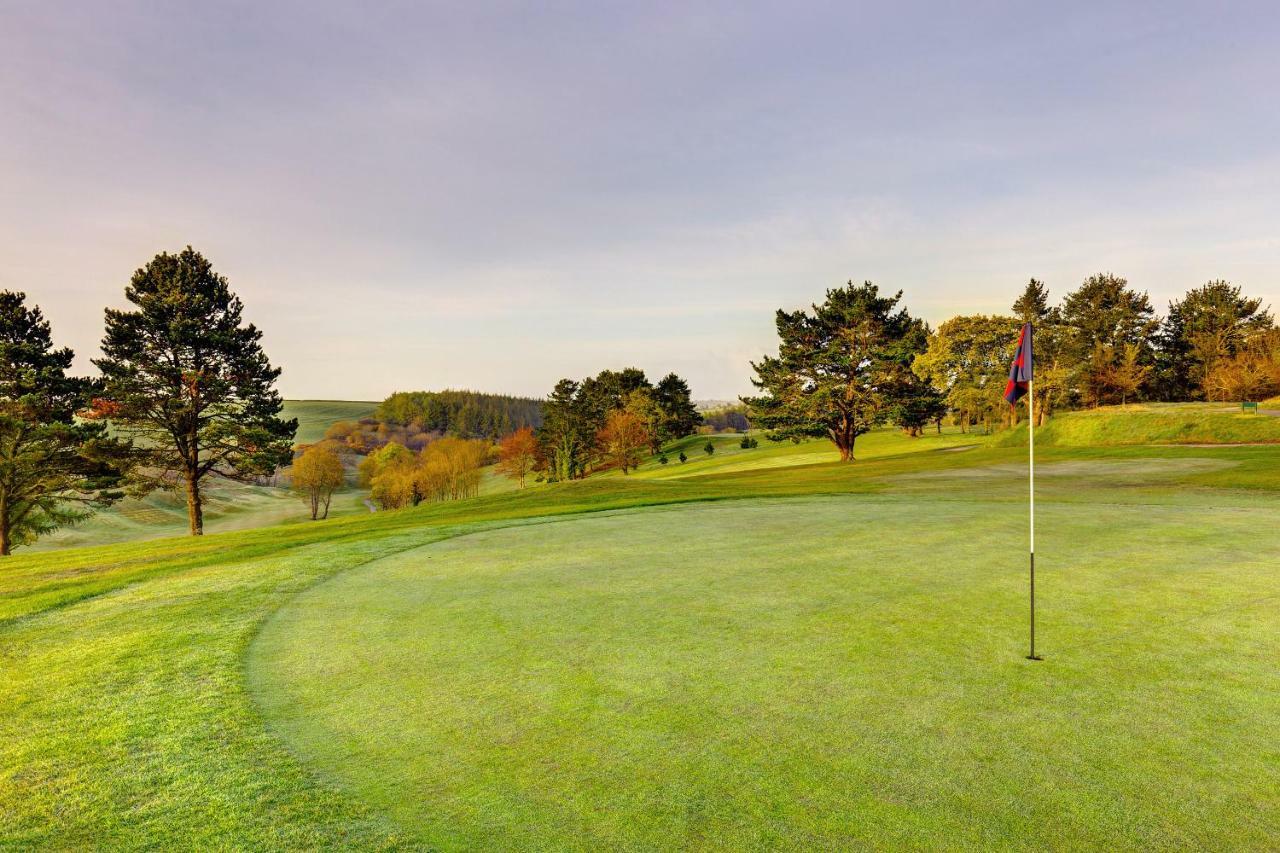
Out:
{"x": 1031, "y": 431}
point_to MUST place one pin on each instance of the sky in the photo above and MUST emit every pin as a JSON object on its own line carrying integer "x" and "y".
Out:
{"x": 497, "y": 195}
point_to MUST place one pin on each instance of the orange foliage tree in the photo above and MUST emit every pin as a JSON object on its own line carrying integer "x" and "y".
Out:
{"x": 624, "y": 439}
{"x": 517, "y": 454}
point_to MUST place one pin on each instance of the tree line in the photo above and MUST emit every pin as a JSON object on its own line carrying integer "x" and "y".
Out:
{"x": 185, "y": 392}
{"x": 860, "y": 359}
{"x": 612, "y": 419}
{"x": 462, "y": 414}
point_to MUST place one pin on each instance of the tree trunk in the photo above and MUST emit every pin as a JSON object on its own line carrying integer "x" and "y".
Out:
{"x": 5, "y": 547}
{"x": 194, "y": 512}
{"x": 327, "y": 498}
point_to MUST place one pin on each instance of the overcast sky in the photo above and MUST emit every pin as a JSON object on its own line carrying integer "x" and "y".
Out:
{"x": 493, "y": 196}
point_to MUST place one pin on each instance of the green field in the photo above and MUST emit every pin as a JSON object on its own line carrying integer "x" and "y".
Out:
{"x": 316, "y": 416}
{"x": 797, "y": 654}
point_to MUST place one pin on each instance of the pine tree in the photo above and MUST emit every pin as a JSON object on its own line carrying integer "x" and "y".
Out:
{"x": 1033, "y": 305}
{"x": 186, "y": 377}
{"x": 55, "y": 468}
{"x": 680, "y": 416}
{"x": 839, "y": 371}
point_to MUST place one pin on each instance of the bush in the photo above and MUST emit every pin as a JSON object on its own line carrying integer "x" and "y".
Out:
{"x": 748, "y": 442}
{"x": 662, "y": 460}
{"x": 683, "y": 458}
{"x": 709, "y": 449}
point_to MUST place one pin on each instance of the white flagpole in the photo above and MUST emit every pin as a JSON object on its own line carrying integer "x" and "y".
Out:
{"x": 1031, "y": 446}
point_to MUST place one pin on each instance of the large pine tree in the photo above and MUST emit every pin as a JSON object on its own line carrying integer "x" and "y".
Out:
{"x": 840, "y": 370}
{"x": 54, "y": 467}
{"x": 190, "y": 381}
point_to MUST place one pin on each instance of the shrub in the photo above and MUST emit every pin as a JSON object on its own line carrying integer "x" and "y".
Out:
{"x": 709, "y": 449}
{"x": 662, "y": 460}
{"x": 683, "y": 458}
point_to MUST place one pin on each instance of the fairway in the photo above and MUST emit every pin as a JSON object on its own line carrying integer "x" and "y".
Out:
{"x": 812, "y": 672}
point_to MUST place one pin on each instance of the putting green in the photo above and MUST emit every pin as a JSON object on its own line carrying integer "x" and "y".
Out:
{"x": 818, "y": 672}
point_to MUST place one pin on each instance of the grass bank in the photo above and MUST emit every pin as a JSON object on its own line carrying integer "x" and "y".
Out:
{"x": 1139, "y": 425}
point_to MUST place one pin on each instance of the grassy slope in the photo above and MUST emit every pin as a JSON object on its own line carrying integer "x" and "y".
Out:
{"x": 316, "y": 416}
{"x": 1205, "y": 423}
{"x": 127, "y": 722}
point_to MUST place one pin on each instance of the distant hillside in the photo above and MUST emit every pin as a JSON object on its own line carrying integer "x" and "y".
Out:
{"x": 1200, "y": 423}
{"x": 315, "y": 416}
{"x": 467, "y": 414}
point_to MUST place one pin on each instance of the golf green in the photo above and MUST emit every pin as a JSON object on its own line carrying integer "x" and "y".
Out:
{"x": 812, "y": 672}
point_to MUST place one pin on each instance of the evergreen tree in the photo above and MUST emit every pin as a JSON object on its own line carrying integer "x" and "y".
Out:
{"x": 1033, "y": 305}
{"x": 1211, "y": 323}
{"x": 184, "y": 375}
{"x": 54, "y": 468}
{"x": 840, "y": 371}
{"x": 679, "y": 415}
{"x": 566, "y": 435}
{"x": 1101, "y": 319}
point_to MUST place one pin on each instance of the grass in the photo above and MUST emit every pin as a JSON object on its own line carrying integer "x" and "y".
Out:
{"x": 818, "y": 655}
{"x": 1204, "y": 423}
{"x": 316, "y": 416}
{"x": 753, "y": 688}
{"x": 731, "y": 456}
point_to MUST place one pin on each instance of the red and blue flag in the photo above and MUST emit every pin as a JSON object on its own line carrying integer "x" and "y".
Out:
{"x": 1020, "y": 371}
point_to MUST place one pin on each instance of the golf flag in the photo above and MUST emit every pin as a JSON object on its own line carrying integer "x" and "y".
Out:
{"x": 1020, "y": 371}
{"x": 1021, "y": 377}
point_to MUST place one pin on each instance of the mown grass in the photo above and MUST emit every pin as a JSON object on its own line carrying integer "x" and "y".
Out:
{"x": 127, "y": 721}
{"x": 812, "y": 673}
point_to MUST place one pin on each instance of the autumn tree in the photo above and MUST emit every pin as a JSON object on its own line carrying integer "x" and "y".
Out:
{"x": 1251, "y": 374}
{"x": 840, "y": 370}
{"x": 461, "y": 461}
{"x": 446, "y": 469}
{"x": 317, "y": 474}
{"x": 624, "y": 439}
{"x": 383, "y": 473}
{"x": 55, "y": 468}
{"x": 643, "y": 404}
{"x": 189, "y": 379}
{"x": 517, "y": 454}
{"x": 1124, "y": 373}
